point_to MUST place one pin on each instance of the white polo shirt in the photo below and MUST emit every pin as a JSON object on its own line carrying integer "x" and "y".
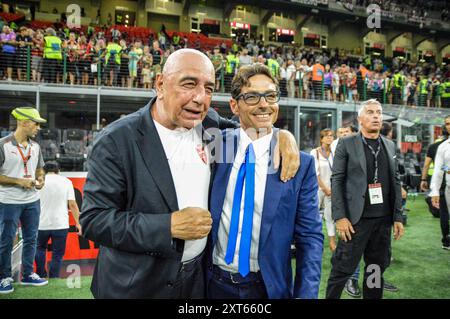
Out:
{"x": 55, "y": 195}
{"x": 190, "y": 174}
{"x": 12, "y": 165}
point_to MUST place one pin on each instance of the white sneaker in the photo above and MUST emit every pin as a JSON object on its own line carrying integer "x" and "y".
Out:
{"x": 6, "y": 285}
{"x": 34, "y": 280}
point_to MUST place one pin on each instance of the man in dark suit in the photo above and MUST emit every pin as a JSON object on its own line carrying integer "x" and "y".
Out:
{"x": 366, "y": 202}
{"x": 146, "y": 192}
{"x": 252, "y": 258}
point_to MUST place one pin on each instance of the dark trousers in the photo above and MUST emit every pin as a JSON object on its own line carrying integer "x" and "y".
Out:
{"x": 51, "y": 67}
{"x": 225, "y": 285}
{"x": 423, "y": 100}
{"x": 444, "y": 218}
{"x": 28, "y": 215}
{"x": 396, "y": 95}
{"x": 446, "y": 102}
{"x": 58, "y": 250}
{"x": 228, "y": 78}
{"x": 190, "y": 282}
{"x": 372, "y": 239}
{"x": 317, "y": 86}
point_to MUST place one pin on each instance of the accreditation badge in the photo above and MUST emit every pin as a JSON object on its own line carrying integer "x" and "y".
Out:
{"x": 375, "y": 194}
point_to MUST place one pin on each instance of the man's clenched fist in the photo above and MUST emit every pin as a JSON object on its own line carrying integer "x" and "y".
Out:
{"x": 191, "y": 223}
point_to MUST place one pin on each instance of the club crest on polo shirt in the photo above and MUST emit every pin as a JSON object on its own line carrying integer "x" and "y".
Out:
{"x": 201, "y": 152}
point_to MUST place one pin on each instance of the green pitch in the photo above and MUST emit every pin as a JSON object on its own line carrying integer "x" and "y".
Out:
{"x": 421, "y": 268}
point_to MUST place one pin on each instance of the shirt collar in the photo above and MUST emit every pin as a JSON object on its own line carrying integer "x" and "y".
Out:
{"x": 14, "y": 141}
{"x": 260, "y": 146}
{"x": 179, "y": 131}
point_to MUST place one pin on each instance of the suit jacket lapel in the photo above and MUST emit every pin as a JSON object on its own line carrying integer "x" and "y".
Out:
{"x": 154, "y": 157}
{"x": 272, "y": 194}
{"x": 221, "y": 179}
{"x": 359, "y": 151}
{"x": 391, "y": 156}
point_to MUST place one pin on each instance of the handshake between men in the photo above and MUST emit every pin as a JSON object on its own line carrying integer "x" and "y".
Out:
{"x": 191, "y": 223}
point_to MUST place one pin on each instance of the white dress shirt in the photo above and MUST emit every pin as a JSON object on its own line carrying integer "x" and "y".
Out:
{"x": 261, "y": 147}
{"x": 442, "y": 159}
{"x": 189, "y": 173}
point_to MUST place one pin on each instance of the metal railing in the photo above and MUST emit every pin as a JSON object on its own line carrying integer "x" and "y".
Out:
{"x": 102, "y": 69}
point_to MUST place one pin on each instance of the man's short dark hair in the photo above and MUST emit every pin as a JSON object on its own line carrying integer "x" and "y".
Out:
{"x": 444, "y": 129}
{"x": 353, "y": 128}
{"x": 241, "y": 79}
{"x": 51, "y": 167}
{"x": 386, "y": 128}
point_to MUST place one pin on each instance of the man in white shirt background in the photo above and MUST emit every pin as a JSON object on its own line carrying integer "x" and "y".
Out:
{"x": 341, "y": 132}
{"x": 56, "y": 196}
{"x": 244, "y": 58}
{"x": 441, "y": 171}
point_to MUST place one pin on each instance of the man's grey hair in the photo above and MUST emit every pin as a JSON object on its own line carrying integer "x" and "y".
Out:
{"x": 368, "y": 102}
{"x": 50, "y": 31}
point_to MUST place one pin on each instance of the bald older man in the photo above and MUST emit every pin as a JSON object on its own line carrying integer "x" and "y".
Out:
{"x": 146, "y": 193}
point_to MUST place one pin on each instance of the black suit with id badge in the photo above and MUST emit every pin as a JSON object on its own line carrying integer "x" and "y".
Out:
{"x": 366, "y": 190}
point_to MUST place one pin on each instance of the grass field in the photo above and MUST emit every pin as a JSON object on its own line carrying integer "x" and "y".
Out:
{"x": 421, "y": 268}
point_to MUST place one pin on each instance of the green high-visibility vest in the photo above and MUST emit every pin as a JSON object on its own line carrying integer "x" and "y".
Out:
{"x": 113, "y": 49}
{"x": 445, "y": 89}
{"x": 423, "y": 86}
{"x": 217, "y": 61}
{"x": 398, "y": 80}
{"x": 431, "y": 169}
{"x": 274, "y": 67}
{"x": 52, "y": 48}
{"x": 232, "y": 63}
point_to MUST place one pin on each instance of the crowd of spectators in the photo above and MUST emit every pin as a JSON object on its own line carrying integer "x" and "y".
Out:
{"x": 109, "y": 57}
{"x": 413, "y": 11}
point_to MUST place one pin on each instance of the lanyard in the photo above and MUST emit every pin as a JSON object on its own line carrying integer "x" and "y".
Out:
{"x": 25, "y": 159}
{"x": 327, "y": 157}
{"x": 375, "y": 154}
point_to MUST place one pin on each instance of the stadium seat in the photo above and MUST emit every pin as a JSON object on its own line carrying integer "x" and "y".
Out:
{"x": 49, "y": 141}
{"x": 74, "y": 150}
